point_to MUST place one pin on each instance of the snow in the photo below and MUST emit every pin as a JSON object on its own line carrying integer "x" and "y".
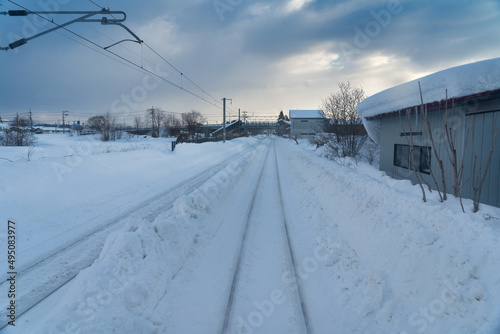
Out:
{"x": 120, "y": 290}
{"x": 460, "y": 81}
{"x": 400, "y": 265}
{"x": 306, "y": 114}
{"x": 371, "y": 257}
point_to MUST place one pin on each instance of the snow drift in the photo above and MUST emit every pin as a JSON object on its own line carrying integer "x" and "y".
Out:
{"x": 401, "y": 265}
{"x": 119, "y": 292}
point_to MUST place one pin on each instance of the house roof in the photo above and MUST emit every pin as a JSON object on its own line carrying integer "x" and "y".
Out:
{"x": 460, "y": 81}
{"x": 306, "y": 114}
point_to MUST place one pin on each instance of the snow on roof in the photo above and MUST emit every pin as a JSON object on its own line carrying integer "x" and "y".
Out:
{"x": 307, "y": 114}
{"x": 460, "y": 81}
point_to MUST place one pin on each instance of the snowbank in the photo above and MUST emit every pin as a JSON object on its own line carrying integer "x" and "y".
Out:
{"x": 119, "y": 292}
{"x": 399, "y": 265}
{"x": 460, "y": 81}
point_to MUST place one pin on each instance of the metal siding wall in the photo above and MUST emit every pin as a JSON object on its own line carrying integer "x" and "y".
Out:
{"x": 460, "y": 123}
{"x": 390, "y": 127}
{"x": 492, "y": 182}
{"x": 483, "y": 127}
{"x": 310, "y": 126}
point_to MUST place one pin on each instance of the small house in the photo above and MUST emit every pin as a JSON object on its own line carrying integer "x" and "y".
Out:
{"x": 306, "y": 123}
{"x": 450, "y": 116}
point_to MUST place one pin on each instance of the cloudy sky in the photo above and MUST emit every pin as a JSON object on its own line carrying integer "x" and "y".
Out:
{"x": 266, "y": 56}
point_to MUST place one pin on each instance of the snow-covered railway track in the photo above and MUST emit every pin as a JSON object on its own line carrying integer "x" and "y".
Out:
{"x": 49, "y": 273}
{"x": 265, "y": 292}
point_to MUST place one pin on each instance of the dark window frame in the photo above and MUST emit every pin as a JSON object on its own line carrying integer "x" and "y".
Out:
{"x": 402, "y": 158}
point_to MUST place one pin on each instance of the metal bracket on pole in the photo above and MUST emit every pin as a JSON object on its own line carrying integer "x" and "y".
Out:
{"x": 85, "y": 18}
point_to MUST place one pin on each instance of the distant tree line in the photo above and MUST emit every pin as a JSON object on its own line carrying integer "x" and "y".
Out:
{"x": 156, "y": 121}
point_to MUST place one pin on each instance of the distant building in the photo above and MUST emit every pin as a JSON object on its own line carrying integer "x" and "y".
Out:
{"x": 475, "y": 92}
{"x": 4, "y": 124}
{"x": 306, "y": 123}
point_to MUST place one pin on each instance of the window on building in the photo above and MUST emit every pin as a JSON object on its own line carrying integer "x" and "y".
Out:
{"x": 422, "y": 155}
{"x": 425, "y": 159}
{"x": 402, "y": 156}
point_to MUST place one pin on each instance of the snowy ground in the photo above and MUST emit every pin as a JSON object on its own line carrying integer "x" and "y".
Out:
{"x": 207, "y": 240}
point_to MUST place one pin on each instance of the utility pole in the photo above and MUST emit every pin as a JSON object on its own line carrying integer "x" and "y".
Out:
{"x": 224, "y": 118}
{"x": 152, "y": 113}
{"x": 64, "y": 114}
{"x": 239, "y": 122}
{"x": 245, "y": 120}
{"x": 31, "y": 120}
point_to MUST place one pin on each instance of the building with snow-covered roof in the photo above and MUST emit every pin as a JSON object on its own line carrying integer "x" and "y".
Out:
{"x": 306, "y": 123}
{"x": 4, "y": 125}
{"x": 400, "y": 116}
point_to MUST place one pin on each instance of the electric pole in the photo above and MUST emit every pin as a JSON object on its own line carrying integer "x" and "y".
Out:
{"x": 245, "y": 120}
{"x": 64, "y": 114}
{"x": 31, "y": 120}
{"x": 224, "y": 118}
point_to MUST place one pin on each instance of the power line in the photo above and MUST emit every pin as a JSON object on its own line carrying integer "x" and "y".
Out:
{"x": 170, "y": 64}
{"x": 131, "y": 63}
{"x": 182, "y": 75}
{"x": 95, "y": 4}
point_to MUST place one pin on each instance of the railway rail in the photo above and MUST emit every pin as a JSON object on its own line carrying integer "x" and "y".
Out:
{"x": 50, "y": 272}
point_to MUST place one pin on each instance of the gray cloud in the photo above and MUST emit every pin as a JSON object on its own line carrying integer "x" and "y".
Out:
{"x": 267, "y": 55}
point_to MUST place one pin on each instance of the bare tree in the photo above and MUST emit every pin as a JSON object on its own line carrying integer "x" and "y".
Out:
{"x": 170, "y": 123}
{"x": 105, "y": 125}
{"x": 345, "y": 126}
{"x": 414, "y": 167}
{"x": 138, "y": 123}
{"x": 456, "y": 163}
{"x": 430, "y": 137}
{"x": 156, "y": 117}
{"x": 17, "y": 137}
{"x": 20, "y": 122}
{"x": 371, "y": 150}
{"x": 97, "y": 123}
{"x": 193, "y": 120}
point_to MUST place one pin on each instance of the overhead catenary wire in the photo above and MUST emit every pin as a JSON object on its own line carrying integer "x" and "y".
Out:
{"x": 182, "y": 74}
{"x": 95, "y": 4}
{"x": 129, "y": 62}
{"x": 169, "y": 63}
